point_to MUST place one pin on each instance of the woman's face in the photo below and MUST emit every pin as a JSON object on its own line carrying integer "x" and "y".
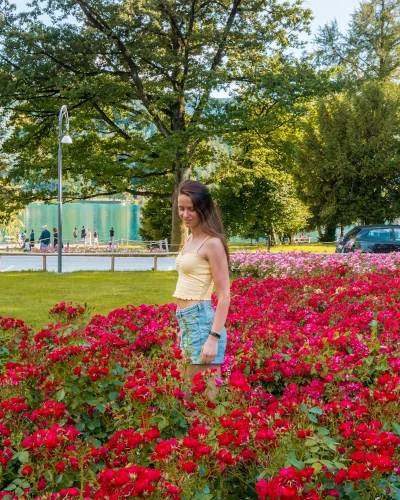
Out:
{"x": 187, "y": 212}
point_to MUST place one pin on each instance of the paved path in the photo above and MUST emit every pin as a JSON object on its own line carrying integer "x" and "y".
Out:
{"x": 34, "y": 263}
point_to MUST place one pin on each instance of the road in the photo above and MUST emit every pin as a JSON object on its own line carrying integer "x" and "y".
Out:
{"x": 92, "y": 263}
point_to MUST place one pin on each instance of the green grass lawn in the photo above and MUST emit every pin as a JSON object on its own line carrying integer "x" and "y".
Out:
{"x": 30, "y": 295}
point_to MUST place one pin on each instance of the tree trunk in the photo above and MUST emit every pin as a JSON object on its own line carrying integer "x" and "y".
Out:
{"x": 178, "y": 232}
{"x": 330, "y": 233}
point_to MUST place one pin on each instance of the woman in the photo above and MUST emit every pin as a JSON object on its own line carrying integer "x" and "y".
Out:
{"x": 96, "y": 238}
{"x": 202, "y": 263}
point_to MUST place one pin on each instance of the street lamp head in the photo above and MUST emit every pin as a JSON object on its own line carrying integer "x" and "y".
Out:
{"x": 66, "y": 139}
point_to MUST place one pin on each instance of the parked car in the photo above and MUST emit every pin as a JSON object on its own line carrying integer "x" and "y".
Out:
{"x": 371, "y": 239}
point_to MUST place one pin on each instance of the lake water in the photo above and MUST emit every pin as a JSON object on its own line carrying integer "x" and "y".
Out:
{"x": 125, "y": 219}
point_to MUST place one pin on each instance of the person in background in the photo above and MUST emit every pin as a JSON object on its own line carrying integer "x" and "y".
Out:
{"x": 32, "y": 239}
{"x": 89, "y": 237}
{"x": 75, "y": 235}
{"x": 112, "y": 236}
{"x": 83, "y": 234}
{"x": 96, "y": 237}
{"x": 44, "y": 238}
{"x": 27, "y": 245}
{"x": 55, "y": 237}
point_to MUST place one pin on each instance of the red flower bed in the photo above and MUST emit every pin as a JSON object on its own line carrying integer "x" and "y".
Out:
{"x": 307, "y": 406}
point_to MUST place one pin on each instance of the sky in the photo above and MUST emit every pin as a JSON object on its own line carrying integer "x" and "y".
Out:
{"x": 327, "y": 10}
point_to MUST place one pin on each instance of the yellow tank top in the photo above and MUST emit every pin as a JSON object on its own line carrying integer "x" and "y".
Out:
{"x": 194, "y": 276}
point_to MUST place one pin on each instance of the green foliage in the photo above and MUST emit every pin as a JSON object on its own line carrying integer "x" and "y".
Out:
{"x": 156, "y": 219}
{"x": 137, "y": 78}
{"x": 348, "y": 159}
{"x": 255, "y": 193}
{"x": 256, "y": 199}
{"x": 369, "y": 50}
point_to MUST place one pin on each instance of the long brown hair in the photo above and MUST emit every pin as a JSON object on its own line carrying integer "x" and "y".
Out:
{"x": 205, "y": 207}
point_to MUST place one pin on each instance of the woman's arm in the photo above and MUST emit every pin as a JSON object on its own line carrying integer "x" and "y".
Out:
{"x": 220, "y": 272}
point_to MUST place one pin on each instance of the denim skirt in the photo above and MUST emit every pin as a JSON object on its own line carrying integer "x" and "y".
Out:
{"x": 195, "y": 323}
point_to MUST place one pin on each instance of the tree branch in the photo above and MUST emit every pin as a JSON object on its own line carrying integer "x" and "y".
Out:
{"x": 112, "y": 124}
{"x": 217, "y": 58}
{"x": 102, "y": 26}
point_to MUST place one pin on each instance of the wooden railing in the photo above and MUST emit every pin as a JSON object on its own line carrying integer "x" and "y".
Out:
{"x": 111, "y": 255}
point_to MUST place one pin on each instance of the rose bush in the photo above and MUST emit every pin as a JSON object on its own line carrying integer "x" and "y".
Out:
{"x": 307, "y": 406}
{"x": 262, "y": 264}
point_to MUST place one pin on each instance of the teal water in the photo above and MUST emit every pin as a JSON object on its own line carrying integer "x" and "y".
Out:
{"x": 100, "y": 216}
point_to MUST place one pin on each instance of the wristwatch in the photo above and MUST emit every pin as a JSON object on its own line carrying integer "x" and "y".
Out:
{"x": 215, "y": 334}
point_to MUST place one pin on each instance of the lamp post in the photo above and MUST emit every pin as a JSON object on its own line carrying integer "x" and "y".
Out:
{"x": 66, "y": 139}
{"x": 126, "y": 204}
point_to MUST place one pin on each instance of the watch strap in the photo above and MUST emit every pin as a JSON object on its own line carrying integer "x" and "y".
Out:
{"x": 215, "y": 334}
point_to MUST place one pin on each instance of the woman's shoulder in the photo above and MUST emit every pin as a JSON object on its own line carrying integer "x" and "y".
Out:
{"x": 214, "y": 244}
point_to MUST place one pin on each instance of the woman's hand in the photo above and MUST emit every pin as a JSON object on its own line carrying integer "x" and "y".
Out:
{"x": 209, "y": 350}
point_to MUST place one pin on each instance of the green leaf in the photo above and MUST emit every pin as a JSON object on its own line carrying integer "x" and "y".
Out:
{"x": 262, "y": 474}
{"x": 206, "y": 490}
{"x": 162, "y": 423}
{"x": 312, "y": 460}
{"x": 18, "y": 492}
{"x": 303, "y": 408}
{"x": 316, "y": 410}
{"x": 348, "y": 487}
{"x": 48, "y": 475}
{"x": 322, "y": 431}
{"x": 297, "y": 463}
{"x": 310, "y": 442}
{"x": 219, "y": 410}
{"x": 113, "y": 396}
{"x": 396, "y": 428}
{"x": 317, "y": 468}
{"x": 313, "y": 418}
{"x": 23, "y": 456}
{"x": 101, "y": 408}
{"x": 60, "y": 395}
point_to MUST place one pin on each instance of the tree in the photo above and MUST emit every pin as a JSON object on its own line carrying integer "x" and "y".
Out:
{"x": 10, "y": 204}
{"x": 348, "y": 159}
{"x": 155, "y": 222}
{"x": 256, "y": 200}
{"x": 255, "y": 192}
{"x": 371, "y": 48}
{"x": 137, "y": 78}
